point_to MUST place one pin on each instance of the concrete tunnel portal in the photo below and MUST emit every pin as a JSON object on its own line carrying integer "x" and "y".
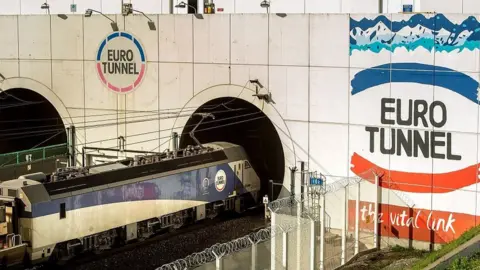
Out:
{"x": 28, "y": 120}
{"x": 242, "y": 123}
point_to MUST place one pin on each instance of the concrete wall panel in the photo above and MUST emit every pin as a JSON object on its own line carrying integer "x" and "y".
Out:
{"x": 329, "y": 149}
{"x": 328, "y": 27}
{"x": 83, "y": 5}
{"x": 112, "y": 6}
{"x": 329, "y": 94}
{"x": 175, "y": 38}
{"x": 96, "y": 28}
{"x": 70, "y": 30}
{"x": 281, "y": 6}
{"x": 249, "y": 41}
{"x": 289, "y": 87}
{"x": 34, "y": 37}
{"x": 212, "y": 39}
{"x": 364, "y": 35}
{"x": 299, "y": 137}
{"x": 99, "y": 101}
{"x": 242, "y": 74}
{"x": 67, "y": 83}
{"x": 144, "y": 99}
{"x": 29, "y": 7}
{"x": 208, "y": 75}
{"x": 471, "y": 6}
{"x": 248, "y": 6}
{"x": 38, "y": 70}
{"x": 456, "y": 120}
{"x": 11, "y": 8}
{"x": 59, "y": 6}
{"x": 366, "y": 6}
{"x": 138, "y": 24}
{"x": 148, "y": 7}
{"x": 9, "y": 68}
{"x": 9, "y": 34}
{"x": 288, "y": 40}
{"x": 323, "y": 6}
{"x": 441, "y": 6}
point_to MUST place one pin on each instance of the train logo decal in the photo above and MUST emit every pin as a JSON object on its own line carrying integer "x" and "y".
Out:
{"x": 414, "y": 128}
{"x": 121, "y": 62}
{"x": 220, "y": 180}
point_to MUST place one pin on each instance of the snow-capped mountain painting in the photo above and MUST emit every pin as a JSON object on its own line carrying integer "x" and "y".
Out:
{"x": 435, "y": 32}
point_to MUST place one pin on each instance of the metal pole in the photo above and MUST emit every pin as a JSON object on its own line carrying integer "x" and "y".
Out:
{"x": 302, "y": 184}
{"x": 375, "y": 219}
{"x": 292, "y": 180}
{"x": 170, "y": 6}
{"x": 284, "y": 250}
{"x": 344, "y": 226}
{"x": 174, "y": 143}
{"x": 254, "y": 254}
{"x": 69, "y": 149}
{"x": 72, "y": 143}
{"x": 312, "y": 244}
{"x": 272, "y": 241}
{"x": 380, "y": 6}
{"x": 357, "y": 220}
{"x": 322, "y": 229}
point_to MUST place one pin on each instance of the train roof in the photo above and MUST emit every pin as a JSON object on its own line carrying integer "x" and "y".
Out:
{"x": 107, "y": 179}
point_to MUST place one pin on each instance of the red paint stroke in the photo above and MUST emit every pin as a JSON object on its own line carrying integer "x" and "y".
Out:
{"x": 415, "y": 182}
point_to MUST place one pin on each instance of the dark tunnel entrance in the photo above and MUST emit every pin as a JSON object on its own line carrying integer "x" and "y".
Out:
{"x": 28, "y": 120}
{"x": 240, "y": 122}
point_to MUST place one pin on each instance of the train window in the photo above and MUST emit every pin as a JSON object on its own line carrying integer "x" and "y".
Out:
{"x": 12, "y": 193}
{"x": 247, "y": 164}
{"x": 235, "y": 168}
{"x": 63, "y": 212}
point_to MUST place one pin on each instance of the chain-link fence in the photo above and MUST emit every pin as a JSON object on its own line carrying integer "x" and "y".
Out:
{"x": 323, "y": 228}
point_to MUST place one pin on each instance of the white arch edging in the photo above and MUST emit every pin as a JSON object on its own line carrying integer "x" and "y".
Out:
{"x": 41, "y": 89}
{"x": 246, "y": 94}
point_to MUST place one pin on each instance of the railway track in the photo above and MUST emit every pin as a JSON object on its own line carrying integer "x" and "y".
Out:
{"x": 164, "y": 248}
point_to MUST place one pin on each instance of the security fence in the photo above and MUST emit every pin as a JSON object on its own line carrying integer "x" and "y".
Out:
{"x": 322, "y": 228}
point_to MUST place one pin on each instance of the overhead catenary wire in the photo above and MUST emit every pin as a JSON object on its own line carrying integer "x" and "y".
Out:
{"x": 186, "y": 133}
{"x": 62, "y": 126}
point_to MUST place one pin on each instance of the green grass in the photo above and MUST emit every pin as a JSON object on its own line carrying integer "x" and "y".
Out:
{"x": 433, "y": 256}
{"x": 472, "y": 262}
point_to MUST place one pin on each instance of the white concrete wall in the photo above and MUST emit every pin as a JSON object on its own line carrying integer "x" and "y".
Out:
{"x": 27, "y": 7}
{"x": 303, "y": 59}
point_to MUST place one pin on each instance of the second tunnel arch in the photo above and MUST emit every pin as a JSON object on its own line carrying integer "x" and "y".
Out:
{"x": 246, "y": 125}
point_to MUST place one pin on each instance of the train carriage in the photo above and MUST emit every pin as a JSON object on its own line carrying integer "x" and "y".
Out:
{"x": 94, "y": 211}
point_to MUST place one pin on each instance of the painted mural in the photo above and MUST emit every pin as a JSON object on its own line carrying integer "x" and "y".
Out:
{"x": 416, "y": 100}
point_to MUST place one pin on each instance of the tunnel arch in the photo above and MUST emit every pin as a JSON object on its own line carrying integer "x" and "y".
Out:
{"x": 31, "y": 115}
{"x": 271, "y": 131}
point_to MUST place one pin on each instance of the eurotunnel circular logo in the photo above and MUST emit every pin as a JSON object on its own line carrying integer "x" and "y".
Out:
{"x": 414, "y": 128}
{"x": 220, "y": 180}
{"x": 121, "y": 62}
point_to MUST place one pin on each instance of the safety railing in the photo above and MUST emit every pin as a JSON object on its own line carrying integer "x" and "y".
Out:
{"x": 33, "y": 154}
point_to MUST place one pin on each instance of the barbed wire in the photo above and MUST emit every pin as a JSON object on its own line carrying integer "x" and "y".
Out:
{"x": 221, "y": 250}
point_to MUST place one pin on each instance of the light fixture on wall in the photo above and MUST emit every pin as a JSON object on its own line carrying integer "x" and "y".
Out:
{"x": 127, "y": 9}
{"x": 46, "y": 6}
{"x": 265, "y": 4}
{"x": 184, "y": 5}
{"x": 88, "y": 13}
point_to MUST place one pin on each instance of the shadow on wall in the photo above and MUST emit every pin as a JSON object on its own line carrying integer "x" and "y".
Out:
{"x": 28, "y": 120}
{"x": 239, "y": 122}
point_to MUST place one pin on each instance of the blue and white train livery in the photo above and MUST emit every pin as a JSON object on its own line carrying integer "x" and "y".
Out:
{"x": 94, "y": 211}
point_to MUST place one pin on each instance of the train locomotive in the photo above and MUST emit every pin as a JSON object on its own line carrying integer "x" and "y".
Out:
{"x": 94, "y": 208}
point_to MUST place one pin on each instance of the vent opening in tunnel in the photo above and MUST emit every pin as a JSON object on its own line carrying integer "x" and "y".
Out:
{"x": 28, "y": 120}
{"x": 245, "y": 125}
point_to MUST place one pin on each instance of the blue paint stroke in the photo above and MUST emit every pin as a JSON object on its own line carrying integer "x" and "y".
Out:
{"x": 455, "y": 81}
{"x": 435, "y": 32}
